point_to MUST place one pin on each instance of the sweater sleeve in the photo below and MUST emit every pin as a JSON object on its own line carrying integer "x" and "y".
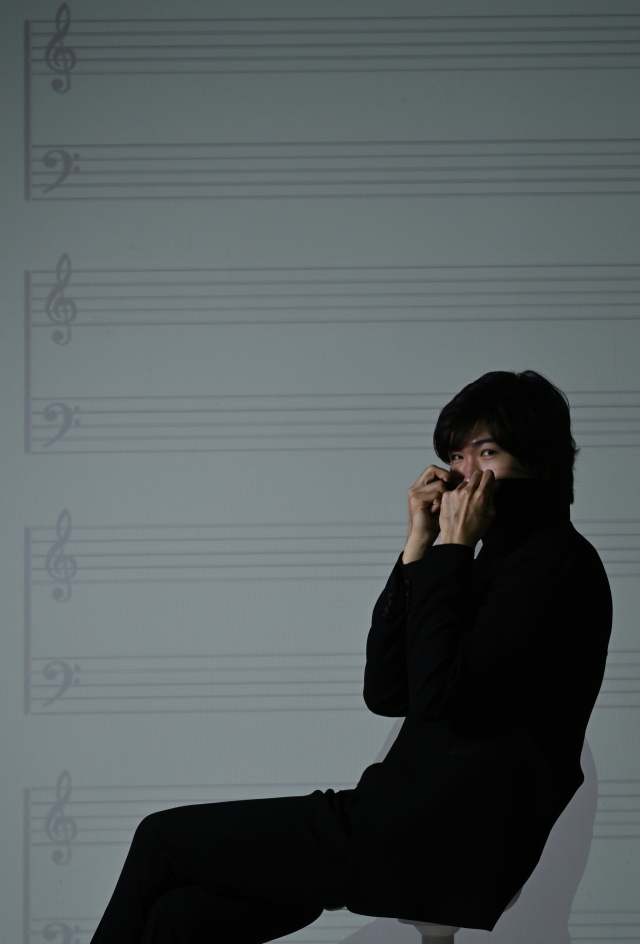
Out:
{"x": 386, "y": 690}
{"x": 473, "y": 664}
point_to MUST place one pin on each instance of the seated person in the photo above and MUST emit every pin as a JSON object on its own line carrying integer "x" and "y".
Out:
{"x": 495, "y": 662}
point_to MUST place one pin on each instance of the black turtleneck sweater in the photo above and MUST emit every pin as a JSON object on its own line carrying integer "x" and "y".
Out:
{"x": 486, "y": 643}
{"x": 494, "y": 661}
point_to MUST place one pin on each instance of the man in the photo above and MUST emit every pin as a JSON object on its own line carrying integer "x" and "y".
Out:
{"x": 494, "y": 662}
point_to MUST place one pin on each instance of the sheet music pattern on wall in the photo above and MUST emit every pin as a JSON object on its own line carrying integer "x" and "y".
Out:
{"x": 152, "y": 54}
{"x": 103, "y": 47}
{"x": 89, "y": 826}
{"x": 151, "y": 313}
{"x": 74, "y": 170}
{"x": 122, "y": 570}
{"x": 97, "y": 823}
{"x": 151, "y": 590}
{"x": 81, "y": 579}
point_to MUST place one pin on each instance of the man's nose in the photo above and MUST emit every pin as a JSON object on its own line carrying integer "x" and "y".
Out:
{"x": 469, "y": 468}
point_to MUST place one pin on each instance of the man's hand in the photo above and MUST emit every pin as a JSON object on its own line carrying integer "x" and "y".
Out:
{"x": 468, "y": 511}
{"x": 425, "y": 497}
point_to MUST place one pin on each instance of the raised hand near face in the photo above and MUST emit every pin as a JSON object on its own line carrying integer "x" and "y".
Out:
{"x": 424, "y": 499}
{"x": 468, "y": 510}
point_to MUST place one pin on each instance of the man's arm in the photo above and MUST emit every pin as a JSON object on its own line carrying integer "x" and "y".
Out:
{"x": 386, "y": 688}
{"x": 416, "y": 548}
{"x": 462, "y": 663}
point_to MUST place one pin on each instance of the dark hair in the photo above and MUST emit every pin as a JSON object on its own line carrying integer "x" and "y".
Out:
{"x": 524, "y": 413}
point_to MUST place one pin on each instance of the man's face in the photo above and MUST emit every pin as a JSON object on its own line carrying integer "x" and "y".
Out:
{"x": 478, "y": 454}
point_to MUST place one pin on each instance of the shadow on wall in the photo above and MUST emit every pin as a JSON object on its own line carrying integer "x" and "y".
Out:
{"x": 542, "y": 912}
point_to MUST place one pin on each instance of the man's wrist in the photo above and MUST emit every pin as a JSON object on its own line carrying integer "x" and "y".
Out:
{"x": 456, "y": 539}
{"x": 415, "y": 549}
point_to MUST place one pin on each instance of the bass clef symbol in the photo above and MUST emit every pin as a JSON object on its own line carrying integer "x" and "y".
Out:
{"x": 67, "y": 165}
{"x": 58, "y": 57}
{"x": 62, "y": 673}
{"x": 69, "y": 416}
{"x": 60, "y": 309}
{"x": 61, "y": 566}
{"x": 59, "y": 828}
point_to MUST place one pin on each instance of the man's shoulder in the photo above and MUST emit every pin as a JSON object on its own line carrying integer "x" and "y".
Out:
{"x": 563, "y": 543}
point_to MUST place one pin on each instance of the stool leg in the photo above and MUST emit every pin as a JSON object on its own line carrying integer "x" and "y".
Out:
{"x": 433, "y": 933}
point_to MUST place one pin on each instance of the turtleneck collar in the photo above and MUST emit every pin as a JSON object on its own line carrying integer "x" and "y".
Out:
{"x": 522, "y": 507}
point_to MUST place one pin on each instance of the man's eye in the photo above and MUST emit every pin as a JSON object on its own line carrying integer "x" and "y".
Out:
{"x": 457, "y": 455}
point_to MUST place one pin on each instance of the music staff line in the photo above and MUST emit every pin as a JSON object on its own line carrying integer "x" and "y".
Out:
{"x": 312, "y": 44}
{"x": 56, "y": 295}
{"x": 340, "y": 286}
{"x": 99, "y": 811}
{"x": 206, "y": 683}
{"x": 276, "y": 531}
{"x": 175, "y": 564}
{"x": 313, "y": 169}
{"x": 282, "y": 551}
{"x": 83, "y": 424}
{"x": 237, "y": 679}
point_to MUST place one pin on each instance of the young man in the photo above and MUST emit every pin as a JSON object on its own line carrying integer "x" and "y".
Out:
{"x": 494, "y": 661}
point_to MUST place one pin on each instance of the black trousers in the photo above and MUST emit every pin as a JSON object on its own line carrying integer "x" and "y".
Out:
{"x": 241, "y": 872}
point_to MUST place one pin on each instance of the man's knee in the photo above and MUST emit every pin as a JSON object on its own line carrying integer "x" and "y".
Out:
{"x": 151, "y": 827}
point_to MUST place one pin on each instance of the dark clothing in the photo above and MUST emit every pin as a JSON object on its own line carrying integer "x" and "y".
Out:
{"x": 496, "y": 664}
{"x": 240, "y": 872}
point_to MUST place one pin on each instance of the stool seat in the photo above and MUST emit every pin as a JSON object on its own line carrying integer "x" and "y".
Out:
{"x": 443, "y": 933}
{"x": 436, "y": 933}
{"x": 433, "y": 933}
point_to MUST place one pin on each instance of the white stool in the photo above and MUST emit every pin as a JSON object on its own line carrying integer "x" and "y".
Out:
{"x": 437, "y": 933}
{"x": 443, "y": 933}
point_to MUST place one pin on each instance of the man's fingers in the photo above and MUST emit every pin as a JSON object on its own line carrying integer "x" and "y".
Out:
{"x": 473, "y": 480}
{"x": 479, "y": 481}
{"x": 437, "y": 498}
{"x": 485, "y": 483}
{"x": 431, "y": 474}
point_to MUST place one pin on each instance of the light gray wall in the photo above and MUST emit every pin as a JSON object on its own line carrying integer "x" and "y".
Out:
{"x": 245, "y": 264}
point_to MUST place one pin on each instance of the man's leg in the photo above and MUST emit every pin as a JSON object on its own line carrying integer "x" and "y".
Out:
{"x": 193, "y": 915}
{"x": 286, "y": 851}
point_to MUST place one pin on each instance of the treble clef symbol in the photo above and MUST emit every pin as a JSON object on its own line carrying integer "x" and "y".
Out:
{"x": 59, "y": 565}
{"x": 58, "y": 931}
{"x": 60, "y": 309}
{"x": 59, "y": 828}
{"x": 58, "y": 57}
